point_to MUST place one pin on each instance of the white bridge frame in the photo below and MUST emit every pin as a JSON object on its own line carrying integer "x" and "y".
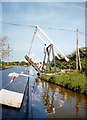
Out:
{"x": 38, "y": 29}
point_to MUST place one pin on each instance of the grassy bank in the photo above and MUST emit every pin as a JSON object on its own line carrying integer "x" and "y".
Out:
{"x": 73, "y": 81}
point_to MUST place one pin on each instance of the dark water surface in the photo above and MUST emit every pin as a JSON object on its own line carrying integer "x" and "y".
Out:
{"x": 60, "y": 102}
{"x": 57, "y": 101}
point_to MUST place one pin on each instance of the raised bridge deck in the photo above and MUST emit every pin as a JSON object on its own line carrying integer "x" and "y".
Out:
{"x": 33, "y": 64}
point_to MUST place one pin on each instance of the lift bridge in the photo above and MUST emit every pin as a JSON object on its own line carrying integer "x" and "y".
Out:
{"x": 50, "y": 47}
{"x": 14, "y": 93}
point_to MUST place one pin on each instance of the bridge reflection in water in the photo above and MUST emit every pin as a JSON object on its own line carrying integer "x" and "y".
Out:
{"x": 60, "y": 102}
{"x": 56, "y": 101}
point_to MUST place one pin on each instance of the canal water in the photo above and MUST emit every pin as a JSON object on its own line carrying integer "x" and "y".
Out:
{"x": 60, "y": 102}
{"x": 57, "y": 101}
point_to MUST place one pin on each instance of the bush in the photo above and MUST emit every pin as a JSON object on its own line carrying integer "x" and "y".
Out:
{"x": 73, "y": 80}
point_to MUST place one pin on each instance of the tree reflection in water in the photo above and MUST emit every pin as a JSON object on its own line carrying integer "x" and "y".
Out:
{"x": 48, "y": 100}
{"x": 55, "y": 97}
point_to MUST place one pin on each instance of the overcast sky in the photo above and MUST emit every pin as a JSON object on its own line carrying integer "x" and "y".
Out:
{"x": 62, "y": 15}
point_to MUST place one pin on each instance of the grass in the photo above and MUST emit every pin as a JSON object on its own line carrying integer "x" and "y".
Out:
{"x": 75, "y": 81}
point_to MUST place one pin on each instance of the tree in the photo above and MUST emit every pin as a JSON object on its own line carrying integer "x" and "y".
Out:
{"x": 5, "y": 48}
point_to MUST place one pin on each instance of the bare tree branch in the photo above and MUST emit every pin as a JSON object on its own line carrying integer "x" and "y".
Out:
{"x": 5, "y": 47}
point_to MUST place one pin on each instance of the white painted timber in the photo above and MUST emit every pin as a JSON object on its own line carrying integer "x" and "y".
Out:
{"x": 11, "y": 98}
{"x": 24, "y": 75}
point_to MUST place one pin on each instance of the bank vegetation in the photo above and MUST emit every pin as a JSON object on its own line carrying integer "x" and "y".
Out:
{"x": 75, "y": 81}
{"x": 66, "y": 74}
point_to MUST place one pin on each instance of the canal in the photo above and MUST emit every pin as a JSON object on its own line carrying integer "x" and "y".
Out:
{"x": 60, "y": 102}
{"x": 47, "y": 100}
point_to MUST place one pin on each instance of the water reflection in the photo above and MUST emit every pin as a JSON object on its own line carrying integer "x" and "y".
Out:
{"x": 60, "y": 101}
{"x": 77, "y": 107}
{"x": 48, "y": 99}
